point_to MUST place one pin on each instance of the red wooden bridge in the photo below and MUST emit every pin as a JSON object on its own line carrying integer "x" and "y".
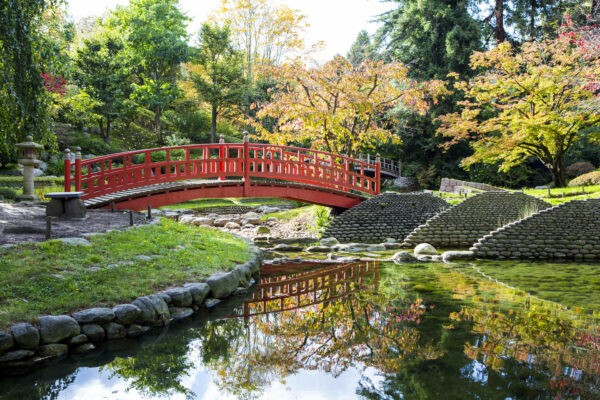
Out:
{"x": 162, "y": 176}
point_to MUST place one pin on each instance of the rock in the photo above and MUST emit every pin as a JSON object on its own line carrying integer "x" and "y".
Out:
{"x": 6, "y": 341}
{"x": 268, "y": 210}
{"x": 78, "y": 340}
{"x": 136, "y": 330}
{"x": 425, "y": 258}
{"x": 262, "y": 230}
{"x": 126, "y": 313}
{"x": 376, "y": 247}
{"x": 232, "y": 225}
{"x": 53, "y": 329}
{"x": 15, "y": 355}
{"x": 390, "y": 240}
{"x": 178, "y": 313}
{"x": 53, "y": 350}
{"x": 425, "y": 249}
{"x": 165, "y": 297}
{"x": 143, "y": 257}
{"x": 221, "y": 222}
{"x": 94, "y": 332}
{"x": 222, "y": 284}
{"x": 114, "y": 331}
{"x": 318, "y": 249}
{"x": 251, "y": 215}
{"x": 85, "y": 348}
{"x": 74, "y": 241}
{"x": 287, "y": 247}
{"x": 211, "y": 302}
{"x": 451, "y": 256}
{"x": 199, "y": 291}
{"x": 199, "y": 221}
{"x": 393, "y": 246}
{"x": 26, "y": 336}
{"x": 187, "y": 219}
{"x": 329, "y": 241}
{"x": 181, "y": 297}
{"x": 94, "y": 316}
{"x": 55, "y": 208}
{"x": 154, "y": 309}
{"x": 403, "y": 257}
{"x": 251, "y": 221}
{"x": 74, "y": 208}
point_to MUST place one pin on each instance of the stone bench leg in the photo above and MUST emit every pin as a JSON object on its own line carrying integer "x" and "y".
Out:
{"x": 74, "y": 208}
{"x": 55, "y": 208}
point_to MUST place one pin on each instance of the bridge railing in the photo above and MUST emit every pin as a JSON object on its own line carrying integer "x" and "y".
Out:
{"x": 107, "y": 174}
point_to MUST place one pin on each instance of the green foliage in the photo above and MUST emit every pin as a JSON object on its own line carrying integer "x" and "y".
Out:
{"x": 591, "y": 178}
{"x": 154, "y": 32}
{"x": 362, "y": 49}
{"x": 103, "y": 71}
{"x": 322, "y": 217}
{"x": 8, "y": 193}
{"x": 428, "y": 178}
{"x": 218, "y": 73}
{"x": 28, "y": 286}
{"x": 96, "y": 146}
{"x": 23, "y": 99}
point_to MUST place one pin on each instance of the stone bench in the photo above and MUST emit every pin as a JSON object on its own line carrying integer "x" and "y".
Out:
{"x": 67, "y": 204}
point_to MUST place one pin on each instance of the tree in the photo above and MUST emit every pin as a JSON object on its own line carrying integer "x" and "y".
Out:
{"x": 102, "y": 71}
{"x": 337, "y": 107}
{"x": 362, "y": 49}
{"x": 23, "y": 99}
{"x": 218, "y": 72}
{"x": 526, "y": 103}
{"x": 265, "y": 33}
{"x": 154, "y": 31}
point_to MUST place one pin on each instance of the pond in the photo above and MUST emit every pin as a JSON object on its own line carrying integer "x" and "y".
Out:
{"x": 366, "y": 330}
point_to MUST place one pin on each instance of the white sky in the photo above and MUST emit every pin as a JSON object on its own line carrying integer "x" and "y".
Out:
{"x": 336, "y": 22}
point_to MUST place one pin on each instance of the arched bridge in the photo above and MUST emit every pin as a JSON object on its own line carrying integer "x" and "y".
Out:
{"x": 162, "y": 176}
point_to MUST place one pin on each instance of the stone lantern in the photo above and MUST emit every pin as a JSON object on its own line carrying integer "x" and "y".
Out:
{"x": 29, "y": 161}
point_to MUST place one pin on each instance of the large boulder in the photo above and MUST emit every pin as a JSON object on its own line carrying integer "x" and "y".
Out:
{"x": 53, "y": 350}
{"x": 26, "y": 336}
{"x": 54, "y": 329}
{"x": 126, "y": 313}
{"x": 329, "y": 241}
{"x": 199, "y": 291}
{"x": 154, "y": 309}
{"x": 222, "y": 284}
{"x": 453, "y": 256}
{"x": 6, "y": 341}
{"x": 15, "y": 355}
{"x": 94, "y": 332}
{"x": 114, "y": 331}
{"x": 180, "y": 296}
{"x": 425, "y": 249}
{"x": 94, "y": 316}
{"x": 287, "y": 247}
{"x": 232, "y": 225}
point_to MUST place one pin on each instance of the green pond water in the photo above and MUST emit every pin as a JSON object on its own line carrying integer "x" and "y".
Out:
{"x": 366, "y": 330}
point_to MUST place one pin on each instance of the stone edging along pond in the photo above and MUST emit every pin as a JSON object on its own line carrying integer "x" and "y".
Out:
{"x": 26, "y": 346}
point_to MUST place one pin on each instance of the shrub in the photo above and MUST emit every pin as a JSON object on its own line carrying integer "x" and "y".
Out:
{"x": 8, "y": 193}
{"x": 428, "y": 178}
{"x": 579, "y": 168}
{"x": 589, "y": 179}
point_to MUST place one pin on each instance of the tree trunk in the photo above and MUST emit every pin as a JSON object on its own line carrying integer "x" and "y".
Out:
{"x": 558, "y": 172}
{"x": 108, "y": 123}
{"x": 213, "y": 125}
{"x": 532, "y": 13}
{"x": 101, "y": 125}
{"x": 499, "y": 32}
{"x": 157, "y": 127}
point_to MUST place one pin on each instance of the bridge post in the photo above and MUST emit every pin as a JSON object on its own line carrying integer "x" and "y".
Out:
{"x": 222, "y": 156}
{"x": 377, "y": 174}
{"x": 77, "y": 169}
{"x": 67, "y": 170}
{"x": 246, "y": 164}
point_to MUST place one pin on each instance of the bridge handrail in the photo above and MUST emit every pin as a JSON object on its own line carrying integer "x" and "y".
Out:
{"x": 106, "y": 174}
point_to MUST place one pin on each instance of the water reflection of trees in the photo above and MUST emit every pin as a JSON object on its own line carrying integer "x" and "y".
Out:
{"x": 431, "y": 331}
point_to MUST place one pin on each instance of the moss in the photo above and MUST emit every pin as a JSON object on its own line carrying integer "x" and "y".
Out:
{"x": 53, "y": 277}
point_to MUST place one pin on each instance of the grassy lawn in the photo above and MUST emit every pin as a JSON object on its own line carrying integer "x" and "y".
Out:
{"x": 54, "y": 278}
{"x": 204, "y": 203}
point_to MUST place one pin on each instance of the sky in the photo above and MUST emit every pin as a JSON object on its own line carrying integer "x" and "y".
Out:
{"x": 336, "y": 22}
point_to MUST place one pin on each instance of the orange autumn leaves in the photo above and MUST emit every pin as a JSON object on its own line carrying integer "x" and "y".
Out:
{"x": 339, "y": 107}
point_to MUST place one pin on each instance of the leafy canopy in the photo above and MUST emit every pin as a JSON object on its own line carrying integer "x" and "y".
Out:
{"x": 338, "y": 107}
{"x": 525, "y": 103}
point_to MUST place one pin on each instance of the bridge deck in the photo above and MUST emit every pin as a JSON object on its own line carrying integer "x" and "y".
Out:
{"x": 165, "y": 193}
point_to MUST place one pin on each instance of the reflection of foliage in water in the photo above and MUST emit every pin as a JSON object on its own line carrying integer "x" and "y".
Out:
{"x": 418, "y": 327}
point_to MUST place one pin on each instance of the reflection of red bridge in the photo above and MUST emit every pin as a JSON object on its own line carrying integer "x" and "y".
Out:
{"x": 163, "y": 176}
{"x": 294, "y": 291}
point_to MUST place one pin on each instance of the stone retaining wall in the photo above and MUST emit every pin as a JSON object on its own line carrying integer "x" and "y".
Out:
{"x": 567, "y": 231}
{"x": 26, "y": 346}
{"x": 389, "y": 215}
{"x": 463, "y": 224}
{"x": 453, "y": 186}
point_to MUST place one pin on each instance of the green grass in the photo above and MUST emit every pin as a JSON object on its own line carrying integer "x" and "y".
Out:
{"x": 205, "y": 203}
{"x": 54, "y": 278}
{"x": 570, "y": 193}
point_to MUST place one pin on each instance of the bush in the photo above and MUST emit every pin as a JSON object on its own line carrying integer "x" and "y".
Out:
{"x": 8, "y": 193}
{"x": 428, "y": 178}
{"x": 589, "y": 179}
{"x": 94, "y": 145}
{"x": 579, "y": 168}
